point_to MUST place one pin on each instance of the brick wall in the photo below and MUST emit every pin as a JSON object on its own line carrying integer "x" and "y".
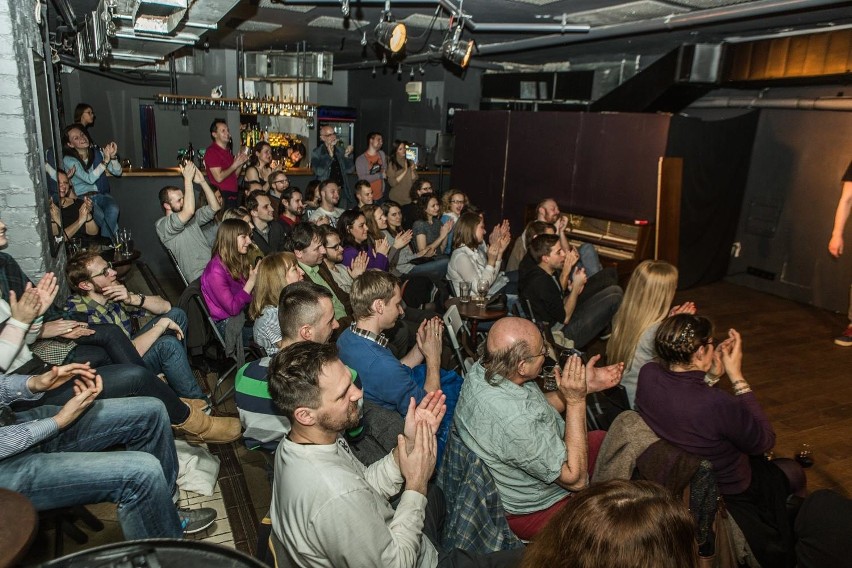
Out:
{"x": 22, "y": 196}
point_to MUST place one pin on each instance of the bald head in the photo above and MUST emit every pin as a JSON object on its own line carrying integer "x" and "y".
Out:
{"x": 512, "y": 351}
{"x": 547, "y": 211}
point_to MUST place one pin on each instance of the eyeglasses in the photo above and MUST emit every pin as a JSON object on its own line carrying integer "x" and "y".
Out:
{"x": 457, "y": 201}
{"x": 103, "y": 272}
{"x": 333, "y": 247}
{"x": 284, "y": 180}
{"x": 542, "y": 354}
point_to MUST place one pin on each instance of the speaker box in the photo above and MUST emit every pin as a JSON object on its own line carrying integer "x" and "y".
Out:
{"x": 444, "y": 147}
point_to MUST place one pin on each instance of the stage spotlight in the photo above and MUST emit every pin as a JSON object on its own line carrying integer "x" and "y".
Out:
{"x": 457, "y": 51}
{"x": 391, "y": 35}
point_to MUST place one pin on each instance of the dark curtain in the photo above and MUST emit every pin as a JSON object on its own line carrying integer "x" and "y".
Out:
{"x": 149, "y": 136}
{"x": 716, "y": 157}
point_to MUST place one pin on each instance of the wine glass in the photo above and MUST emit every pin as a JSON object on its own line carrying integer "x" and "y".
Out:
{"x": 482, "y": 288}
{"x": 124, "y": 237}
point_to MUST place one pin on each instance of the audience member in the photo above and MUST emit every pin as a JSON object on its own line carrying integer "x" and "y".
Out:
{"x": 278, "y": 183}
{"x": 296, "y": 152}
{"x": 246, "y": 189}
{"x": 342, "y": 274}
{"x": 307, "y": 242}
{"x": 617, "y": 524}
{"x": 401, "y": 174}
{"x": 473, "y": 262}
{"x": 274, "y": 273}
{"x": 363, "y": 193}
{"x": 544, "y": 291}
{"x": 61, "y": 456}
{"x": 329, "y": 193}
{"x": 537, "y": 457}
{"x": 100, "y": 298}
{"x": 331, "y": 162}
{"x": 84, "y": 115}
{"x": 292, "y": 208}
{"x": 647, "y": 302}
{"x": 267, "y": 232}
{"x": 311, "y": 197}
{"x": 352, "y": 227}
{"x": 419, "y": 188}
{"x": 87, "y": 166}
{"x": 222, "y": 167}
{"x": 428, "y": 231}
{"x": 390, "y": 382}
{"x": 72, "y": 217}
{"x": 371, "y": 166}
{"x": 835, "y": 244}
{"x": 180, "y": 228}
{"x": 452, "y": 204}
{"x": 328, "y": 509}
{"x": 259, "y": 166}
{"x": 731, "y": 431}
{"x": 519, "y": 259}
{"x": 229, "y": 278}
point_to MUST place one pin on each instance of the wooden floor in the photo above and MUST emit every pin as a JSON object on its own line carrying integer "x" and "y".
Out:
{"x": 802, "y": 379}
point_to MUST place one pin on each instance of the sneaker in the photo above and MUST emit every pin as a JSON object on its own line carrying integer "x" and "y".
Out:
{"x": 845, "y": 340}
{"x": 196, "y": 520}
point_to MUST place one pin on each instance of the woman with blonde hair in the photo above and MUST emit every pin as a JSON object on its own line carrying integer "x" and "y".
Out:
{"x": 274, "y": 273}
{"x": 617, "y": 524}
{"x": 647, "y": 302}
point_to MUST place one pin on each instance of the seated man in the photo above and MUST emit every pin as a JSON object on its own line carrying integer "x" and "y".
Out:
{"x": 305, "y": 313}
{"x": 307, "y": 244}
{"x": 329, "y": 193}
{"x": 328, "y": 509}
{"x": 100, "y": 298}
{"x": 56, "y": 456}
{"x": 543, "y": 289}
{"x": 536, "y": 456}
{"x": 388, "y": 381}
{"x": 342, "y": 275}
{"x": 267, "y": 232}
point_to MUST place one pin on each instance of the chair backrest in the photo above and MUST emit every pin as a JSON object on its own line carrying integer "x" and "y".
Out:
{"x": 194, "y": 289}
{"x": 453, "y": 323}
{"x": 176, "y": 265}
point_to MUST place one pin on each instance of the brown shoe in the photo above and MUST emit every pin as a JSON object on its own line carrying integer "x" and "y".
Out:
{"x": 199, "y": 427}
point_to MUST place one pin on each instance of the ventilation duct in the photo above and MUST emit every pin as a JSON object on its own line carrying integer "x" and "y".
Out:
{"x": 285, "y": 65}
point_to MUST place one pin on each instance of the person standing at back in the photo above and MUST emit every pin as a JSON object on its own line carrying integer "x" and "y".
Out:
{"x": 223, "y": 167}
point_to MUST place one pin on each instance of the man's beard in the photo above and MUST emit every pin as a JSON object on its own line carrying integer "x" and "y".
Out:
{"x": 352, "y": 420}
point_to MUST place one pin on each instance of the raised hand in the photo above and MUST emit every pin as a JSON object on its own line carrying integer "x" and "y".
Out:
{"x": 602, "y": 378}
{"x": 447, "y": 227}
{"x": 571, "y": 382}
{"x": 578, "y": 280}
{"x": 571, "y": 258}
{"x": 70, "y": 172}
{"x": 116, "y": 293}
{"x": 359, "y": 265}
{"x": 403, "y": 239}
{"x": 684, "y": 308}
{"x": 418, "y": 464}
{"x": 732, "y": 355}
{"x": 431, "y": 410}
{"x": 46, "y": 289}
{"x": 429, "y": 338}
{"x": 561, "y": 224}
{"x": 188, "y": 170}
{"x": 382, "y": 247}
{"x": 27, "y": 308}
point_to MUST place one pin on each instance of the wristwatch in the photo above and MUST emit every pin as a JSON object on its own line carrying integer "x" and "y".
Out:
{"x": 141, "y": 299}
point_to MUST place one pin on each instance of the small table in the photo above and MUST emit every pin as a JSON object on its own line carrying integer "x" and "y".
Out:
{"x": 18, "y": 524}
{"x": 122, "y": 264}
{"x": 470, "y": 311}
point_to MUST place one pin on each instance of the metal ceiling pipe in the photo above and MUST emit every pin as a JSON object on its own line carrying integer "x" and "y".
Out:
{"x": 663, "y": 24}
{"x": 791, "y": 103}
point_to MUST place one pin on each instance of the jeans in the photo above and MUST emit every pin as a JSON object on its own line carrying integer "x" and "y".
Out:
{"x": 70, "y": 468}
{"x": 435, "y": 270}
{"x": 109, "y": 345}
{"x": 593, "y": 316}
{"x": 105, "y": 213}
{"x": 168, "y": 356}
{"x": 121, "y": 381}
{"x": 589, "y": 259}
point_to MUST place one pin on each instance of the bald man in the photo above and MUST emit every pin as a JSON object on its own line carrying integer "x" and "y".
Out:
{"x": 534, "y": 445}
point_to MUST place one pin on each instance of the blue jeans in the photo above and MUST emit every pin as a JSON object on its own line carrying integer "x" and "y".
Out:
{"x": 593, "y": 316}
{"x": 71, "y": 468}
{"x": 105, "y": 213}
{"x": 589, "y": 259}
{"x": 435, "y": 270}
{"x": 168, "y": 356}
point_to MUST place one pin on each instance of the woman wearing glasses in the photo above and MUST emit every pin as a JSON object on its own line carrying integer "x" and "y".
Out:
{"x": 680, "y": 404}
{"x": 452, "y": 205}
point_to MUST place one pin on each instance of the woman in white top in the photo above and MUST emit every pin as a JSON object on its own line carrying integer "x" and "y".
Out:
{"x": 472, "y": 261}
{"x": 646, "y": 303}
{"x": 274, "y": 273}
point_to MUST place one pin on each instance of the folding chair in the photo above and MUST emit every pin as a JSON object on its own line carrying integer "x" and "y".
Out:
{"x": 176, "y": 265}
{"x": 454, "y": 323}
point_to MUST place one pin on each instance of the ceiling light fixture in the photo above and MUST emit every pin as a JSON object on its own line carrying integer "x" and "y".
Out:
{"x": 457, "y": 50}
{"x": 390, "y": 34}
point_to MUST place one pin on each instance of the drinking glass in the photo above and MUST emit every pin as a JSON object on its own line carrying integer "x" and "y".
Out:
{"x": 548, "y": 375}
{"x": 482, "y": 288}
{"x": 125, "y": 237}
{"x": 805, "y": 456}
{"x": 464, "y": 292}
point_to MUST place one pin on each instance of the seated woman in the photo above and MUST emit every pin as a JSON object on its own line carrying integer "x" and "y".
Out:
{"x": 352, "y": 227}
{"x": 229, "y": 278}
{"x": 274, "y": 273}
{"x": 260, "y": 165}
{"x": 472, "y": 261}
{"x": 72, "y": 218}
{"x": 409, "y": 205}
{"x": 452, "y": 204}
{"x": 429, "y": 233}
{"x": 729, "y": 430}
{"x": 89, "y": 165}
{"x": 623, "y": 524}
{"x": 646, "y": 303}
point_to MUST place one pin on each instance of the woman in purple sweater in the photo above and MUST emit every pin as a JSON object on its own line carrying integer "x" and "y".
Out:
{"x": 229, "y": 277}
{"x": 676, "y": 397}
{"x": 355, "y": 235}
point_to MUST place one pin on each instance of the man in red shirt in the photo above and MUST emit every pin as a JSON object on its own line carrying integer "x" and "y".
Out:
{"x": 222, "y": 167}
{"x": 372, "y": 165}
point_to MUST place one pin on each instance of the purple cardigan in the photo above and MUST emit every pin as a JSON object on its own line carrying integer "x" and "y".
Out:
{"x": 374, "y": 259}
{"x": 708, "y": 422}
{"x": 223, "y": 295}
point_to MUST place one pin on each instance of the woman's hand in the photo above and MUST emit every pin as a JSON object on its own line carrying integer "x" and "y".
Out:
{"x": 56, "y": 215}
{"x": 382, "y": 247}
{"x": 402, "y": 239}
{"x": 359, "y": 265}
{"x": 27, "y": 308}
{"x": 732, "y": 356}
{"x": 447, "y": 227}
{"x": 86, "y": 207}
{"x": 68, "y": 329}
{"x": 46, "y": 289}
{"x": 505, "y": 239}
{"x": 251, "y": 279}
{"x": 684, "y": 308}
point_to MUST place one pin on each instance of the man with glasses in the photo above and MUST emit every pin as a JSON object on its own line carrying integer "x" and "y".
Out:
{"x": 101, "y": 298}
{"x": 331, "y": 162}
{"x": 278, "y": 183}
{"x": 534, "y": 444}
{"x": 309, "y": 249}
